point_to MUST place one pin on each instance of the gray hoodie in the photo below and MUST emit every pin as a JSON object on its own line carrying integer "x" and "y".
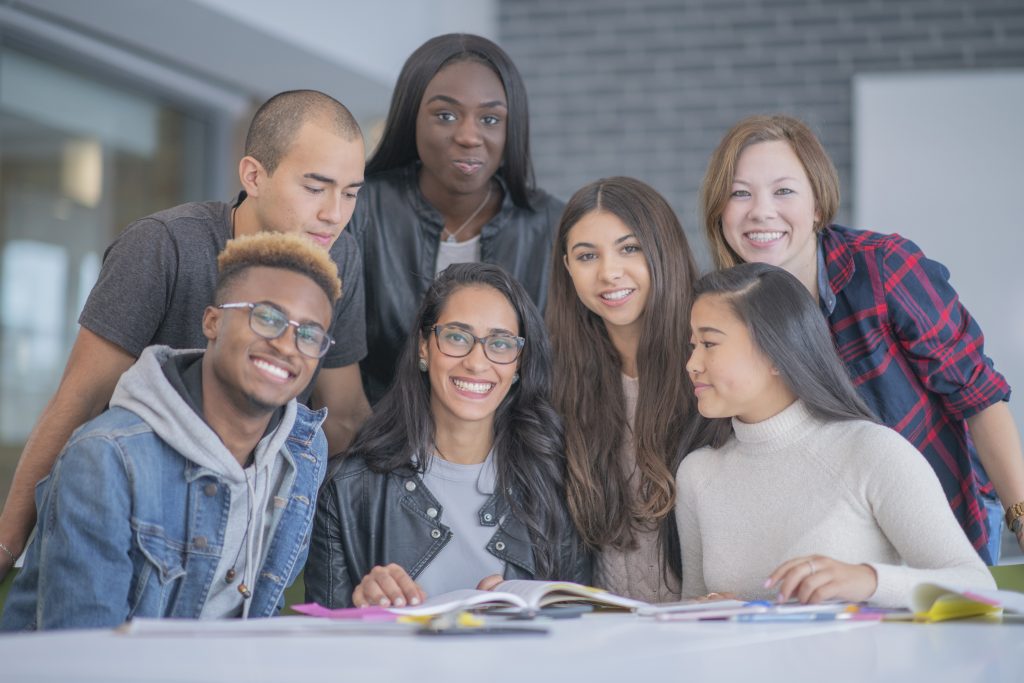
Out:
{"x": 257, "y": 493}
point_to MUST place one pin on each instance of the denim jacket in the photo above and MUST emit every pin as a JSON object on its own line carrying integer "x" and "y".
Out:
{"x": 128, "y": 527}
{"x": 365, "y": 518}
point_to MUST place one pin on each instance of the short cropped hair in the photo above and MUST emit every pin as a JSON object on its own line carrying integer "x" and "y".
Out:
{"x": 277, "y": 250}
{"x": 717, "y": 185}
{"x": 278, "y": 120}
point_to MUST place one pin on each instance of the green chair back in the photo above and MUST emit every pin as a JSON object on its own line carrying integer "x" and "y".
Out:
{"x": 1009, "y": 577}
{"x": 5, "y": 587}
{"x": 295, "y": 594}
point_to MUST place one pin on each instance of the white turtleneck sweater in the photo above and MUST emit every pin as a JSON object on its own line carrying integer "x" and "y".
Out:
{"x": 794, "y": 485}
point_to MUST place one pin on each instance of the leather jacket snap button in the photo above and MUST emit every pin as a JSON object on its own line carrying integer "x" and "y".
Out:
{"x": 436, "y": 533}
{"x": 431, "y": 512}
{"x": 500, "y": 545}
{"x": 488, "y": 516}
{"x": 410, "y": 486}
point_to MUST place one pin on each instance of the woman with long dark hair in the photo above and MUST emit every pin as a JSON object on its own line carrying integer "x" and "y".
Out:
{"x": 459, "y": 474}
{"x": 802, "y": 494}
{"x": 913, "y": 350}
{"x": 450, "y": 181}
{"x": 621, "y": 281}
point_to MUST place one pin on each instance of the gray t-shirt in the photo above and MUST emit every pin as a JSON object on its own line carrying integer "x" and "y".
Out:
{"x": 159, "y": 275}
{"x": 462, "y": 490}
{"x": 457, "y": 252}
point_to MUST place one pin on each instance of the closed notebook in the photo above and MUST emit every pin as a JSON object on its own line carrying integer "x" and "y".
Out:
{"x": 938, "y": 602}
{"x": 527, "y": 596}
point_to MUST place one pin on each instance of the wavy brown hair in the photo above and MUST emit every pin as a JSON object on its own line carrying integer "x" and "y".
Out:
{"x": 588, "y": 382}
{"x": 717, "y": 185}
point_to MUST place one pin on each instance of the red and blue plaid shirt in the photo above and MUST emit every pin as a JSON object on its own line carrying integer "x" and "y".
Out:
{"x": 914, "y": 352}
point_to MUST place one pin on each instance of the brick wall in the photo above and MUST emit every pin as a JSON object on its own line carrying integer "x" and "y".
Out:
{"x": 648, "y": 87}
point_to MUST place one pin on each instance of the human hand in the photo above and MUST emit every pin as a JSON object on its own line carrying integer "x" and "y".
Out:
{"x": 714, "y": 597}
{"x": 816, "y": 578}
{"x": 386, "y": 587}
{"x": 489, "y": 582}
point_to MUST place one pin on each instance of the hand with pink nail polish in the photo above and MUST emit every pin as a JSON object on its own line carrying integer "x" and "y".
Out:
{"x": 389, "y": 586}
{"x": 816, "y": 578}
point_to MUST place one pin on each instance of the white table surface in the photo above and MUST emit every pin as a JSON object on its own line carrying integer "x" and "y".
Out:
{"x": 598, "y": 647}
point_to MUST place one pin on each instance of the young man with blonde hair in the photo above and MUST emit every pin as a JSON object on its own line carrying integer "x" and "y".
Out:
{"x": 192, "y": 496}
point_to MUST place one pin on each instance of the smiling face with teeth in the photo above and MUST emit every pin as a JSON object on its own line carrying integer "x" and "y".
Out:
{"x": 609, "y": 271}
{"x": 470, "y": 389}
{"x": 253, "y": 374}
{"x": 771, "y": 213}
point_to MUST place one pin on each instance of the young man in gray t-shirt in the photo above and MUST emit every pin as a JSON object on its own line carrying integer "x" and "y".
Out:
{"x": 303, "y": 165}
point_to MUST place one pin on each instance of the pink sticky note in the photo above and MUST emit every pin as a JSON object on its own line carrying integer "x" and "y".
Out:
{"x": 361, "y": 613}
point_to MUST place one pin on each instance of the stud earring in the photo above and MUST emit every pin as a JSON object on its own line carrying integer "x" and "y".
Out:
{"x": 515, "y": 378}
{"x": 422, "y": 365}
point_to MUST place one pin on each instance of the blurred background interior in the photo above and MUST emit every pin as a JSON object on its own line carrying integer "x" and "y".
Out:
{"x": 113, "y": 109}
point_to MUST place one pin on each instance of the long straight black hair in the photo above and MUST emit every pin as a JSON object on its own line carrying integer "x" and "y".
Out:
{"x": 528, "y": 442}
{"x": 787, "y": 326}
{"x": 397, "y": 145}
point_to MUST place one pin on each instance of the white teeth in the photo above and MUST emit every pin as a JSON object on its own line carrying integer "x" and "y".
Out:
{"x": 475, "y": 387}
{"x": 615, "y": 296}
{"x": 764, "y": 236}
{"x": 272, "y": 369}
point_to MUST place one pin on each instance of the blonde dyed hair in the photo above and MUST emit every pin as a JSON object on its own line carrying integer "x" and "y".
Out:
{"x": 278, "y": 250}
{"x": 717, "y": 185}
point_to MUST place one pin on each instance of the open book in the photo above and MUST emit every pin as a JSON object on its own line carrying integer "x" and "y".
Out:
{"x": 527, "y": 596}
{"x": 937, "y": 602}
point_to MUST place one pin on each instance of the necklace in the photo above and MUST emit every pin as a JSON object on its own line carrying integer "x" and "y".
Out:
{"x": 452, "y": 235}
{"x": 231, "y": 574}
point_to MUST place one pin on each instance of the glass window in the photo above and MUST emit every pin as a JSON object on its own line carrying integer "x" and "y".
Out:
{"x": 81, "y": 156}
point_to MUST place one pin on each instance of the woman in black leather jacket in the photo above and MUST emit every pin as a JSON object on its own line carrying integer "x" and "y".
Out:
{"x": 458, "y": 477}
{"x": 450, "y": 181}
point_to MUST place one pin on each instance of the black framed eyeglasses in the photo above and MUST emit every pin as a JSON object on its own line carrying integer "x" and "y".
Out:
{"x": 270, "y": 322}
{"x": 457, "y": 342}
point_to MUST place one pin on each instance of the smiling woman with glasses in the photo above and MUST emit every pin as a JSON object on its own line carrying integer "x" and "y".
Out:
{"x": 270, "y": 322}
{"x": 456, "y": 341}
{"x": 457, "y": 480}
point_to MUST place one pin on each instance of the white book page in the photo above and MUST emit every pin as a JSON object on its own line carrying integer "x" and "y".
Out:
{"x": 461, "y": 599}
{"x": 543, "y": 593}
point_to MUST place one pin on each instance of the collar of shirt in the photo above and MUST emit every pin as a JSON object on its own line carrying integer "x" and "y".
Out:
{"x": 835, "y": 268}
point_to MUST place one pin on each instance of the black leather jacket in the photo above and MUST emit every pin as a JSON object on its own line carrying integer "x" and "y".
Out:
{"x": 365, "y": 519}
{"x": 399, "y": 232}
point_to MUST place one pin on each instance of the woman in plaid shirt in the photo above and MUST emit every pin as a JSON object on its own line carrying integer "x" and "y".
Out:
{"x": 914, "y": 352}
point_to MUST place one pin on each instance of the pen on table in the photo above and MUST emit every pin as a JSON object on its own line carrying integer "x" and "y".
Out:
{"x": 809, "y": 616}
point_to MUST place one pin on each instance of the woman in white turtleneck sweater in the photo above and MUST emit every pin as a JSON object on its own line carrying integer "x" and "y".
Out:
{"x": 806, "y": 496}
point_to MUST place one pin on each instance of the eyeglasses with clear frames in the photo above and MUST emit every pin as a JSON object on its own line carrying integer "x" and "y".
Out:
{"x": 457, "y": 342}
{"x": 270, "y": 322}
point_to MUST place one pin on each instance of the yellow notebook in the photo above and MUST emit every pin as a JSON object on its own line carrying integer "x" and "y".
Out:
{"x": 939, "y": 602}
